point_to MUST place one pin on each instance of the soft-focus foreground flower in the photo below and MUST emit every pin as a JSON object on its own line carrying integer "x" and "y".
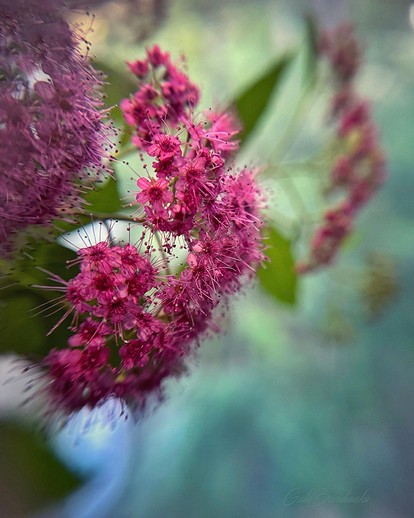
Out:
{"x": 360, "y": 168}
{"x": 51, "y": 129}
{"x": 137, "y": 310}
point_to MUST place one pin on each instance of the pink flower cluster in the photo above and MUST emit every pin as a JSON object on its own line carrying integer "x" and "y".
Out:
{"x": 114, "y": 314}
{"x": 342, "y": 50}
{"x": 51, "y": 127}
{"x": 360, "y": 167}
{"x": 137, "y": 312}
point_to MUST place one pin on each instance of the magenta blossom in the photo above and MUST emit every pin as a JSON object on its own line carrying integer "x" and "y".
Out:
{"x": 360, "y": 168}
{"x": 51, "y": 125}
{"x": 137, "y": 313}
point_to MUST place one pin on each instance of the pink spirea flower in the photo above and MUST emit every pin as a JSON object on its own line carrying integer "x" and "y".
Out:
{"x": 51, "y": 125}
{"x": 342, "y": 50}
{"x": 137, "y": 313}
{"x": 336, "y": 226}
{"x": 358, "y": 171}
{"x": 167, "y": 99}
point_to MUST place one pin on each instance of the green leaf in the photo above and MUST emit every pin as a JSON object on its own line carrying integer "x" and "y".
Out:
{"x": 118, "y": 85}
{"x": 23, "y": 270}
{"x": 25, "y": 319}
{"x": 20, "y": 332}
{"x": 278, "y": 276}
{"x": 125, "y": 136}
{"x": 30, "y": 475}
{"x": 104, "y": 199}
{"x": 311, "y": 45}
{"x": 252, "y": 103}
{"x": 48, "y": 255}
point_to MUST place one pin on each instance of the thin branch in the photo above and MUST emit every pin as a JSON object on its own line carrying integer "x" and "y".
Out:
{"x": 165, "y": 258}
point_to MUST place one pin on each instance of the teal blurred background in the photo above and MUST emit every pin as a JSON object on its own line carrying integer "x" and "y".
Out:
{"x": 303, "y": 412}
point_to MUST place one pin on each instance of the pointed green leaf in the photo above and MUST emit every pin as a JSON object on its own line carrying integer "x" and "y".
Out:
{"x": 118, "y": 84}
{"x": 48, "y": 255}
{"x": 311, "y": 44}
{"x": 30, "y": 475}
{"x": 252, "y": 103}
{"x": 125, "y": 136}
{"x": 104, "y": 199}
{"x": 278, "y": 276}
{"x": 20, "y": 331}
{"x": 25, "y": 319}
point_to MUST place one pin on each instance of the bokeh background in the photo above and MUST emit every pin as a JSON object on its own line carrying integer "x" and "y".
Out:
{"x": 297, "y": 412}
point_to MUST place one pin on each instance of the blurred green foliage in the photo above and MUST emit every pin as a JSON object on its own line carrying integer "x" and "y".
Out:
{"x": 30, "y": 475}
{"x": 278, "y": 277}
{"x": 104, "y": 198}
{"x": 118, "y": 84}
{"x": 252, "y": 102}
{"x": 27, "y": 313}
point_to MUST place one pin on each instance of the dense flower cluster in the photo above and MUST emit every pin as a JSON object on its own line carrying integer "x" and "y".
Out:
{"x": 137, "y": 311}
{"x": 51, "y": 128}
{"x": 360, "y": 168}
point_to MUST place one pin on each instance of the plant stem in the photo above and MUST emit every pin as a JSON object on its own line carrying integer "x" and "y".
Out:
{"x": 125, "y": 151}
{"x": 110, "y": 215}
{"x": 117, "y": 216}
{"x": 293, "y": 126}
{"x": 159, "y": 243}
